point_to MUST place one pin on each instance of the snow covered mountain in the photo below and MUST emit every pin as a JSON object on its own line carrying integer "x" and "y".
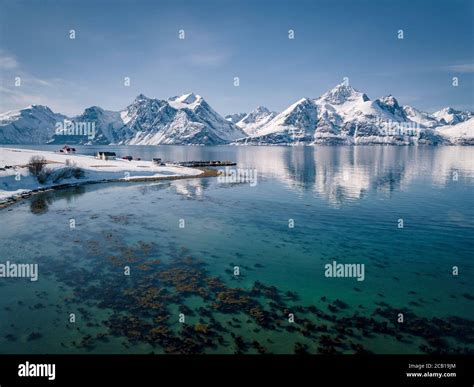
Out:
{"x": 294, "y": 123}
{"x": 252, "y": 122}
{"x": 422, "y": 118}
{"x": 459, "y": 134}
{"x": 234, "y": 118}
{"x": 94, "y": 126}
{"x": 34, "y": 124}
{"x": 342, "y": 115}
{"x": 186, "y": 119}
{"x": 450, "y": 116}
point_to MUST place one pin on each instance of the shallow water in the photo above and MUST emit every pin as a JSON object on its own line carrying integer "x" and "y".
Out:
{"x": 345, "y": 203}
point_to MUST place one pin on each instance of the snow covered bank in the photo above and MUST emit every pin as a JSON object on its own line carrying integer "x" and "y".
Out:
{"x": 462, "y": 133}
{"x": 16, "y": 180}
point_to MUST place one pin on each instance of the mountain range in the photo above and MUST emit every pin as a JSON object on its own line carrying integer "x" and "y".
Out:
{"x": 342, "y": 115}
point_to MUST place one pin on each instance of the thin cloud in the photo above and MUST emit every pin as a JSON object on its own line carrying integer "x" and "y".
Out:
{"x": 14, "y": 99}
{"x": 465, "y": 68}
{"x": 10, "y": 67}
{"x": 33, "y": 90}
{"x": 7, "y": 62}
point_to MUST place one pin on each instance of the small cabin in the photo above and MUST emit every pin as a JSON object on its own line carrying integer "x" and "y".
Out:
{"x": 106, "y": 156}
{"x": 67, "y": 149}
{"x": 157, "y": 161}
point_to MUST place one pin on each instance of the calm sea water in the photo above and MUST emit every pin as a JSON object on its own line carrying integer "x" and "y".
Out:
{"x": 346, "y": 204}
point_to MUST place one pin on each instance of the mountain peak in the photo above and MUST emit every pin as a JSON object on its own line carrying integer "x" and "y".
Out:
{"x": 261, "y": 109}
{"x": 342, "y": 93}
{"x": 37, "y": 107}
{"x": 253, "y": 121}
{"x": 188, "y": 98}
{"x": 446, "y": 110}
{"x": 92, "y": 109}
{"x": 303, "y": 100}
{"x": 141, "y": 97}
{"x": 390, "y": 104}
{"x": 389, "y": 100}
{"x": 236, "y": 117}
{"x": 450, "y": 116}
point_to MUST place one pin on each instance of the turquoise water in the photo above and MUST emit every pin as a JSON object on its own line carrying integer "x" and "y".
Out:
{"x": 345, "y": 204}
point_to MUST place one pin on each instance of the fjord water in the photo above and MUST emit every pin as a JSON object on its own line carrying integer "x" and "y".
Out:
{"x": 346, "y": 204}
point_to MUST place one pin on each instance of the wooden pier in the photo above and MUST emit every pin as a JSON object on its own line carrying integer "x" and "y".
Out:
{"x": 209, "y": 163}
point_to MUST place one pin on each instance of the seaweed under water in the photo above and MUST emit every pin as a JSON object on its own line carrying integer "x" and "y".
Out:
{"x": 176, "y": 306}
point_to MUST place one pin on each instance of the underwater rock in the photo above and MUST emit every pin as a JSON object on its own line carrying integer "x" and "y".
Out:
{"x": 34, "y": 336}
{"x": 301, "y": 349}
{"x": 10, "y": 337}
{"x": 259, "y": 347}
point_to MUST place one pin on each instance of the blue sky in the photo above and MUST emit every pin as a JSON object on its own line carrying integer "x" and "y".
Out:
{"x": 227, "y": 39}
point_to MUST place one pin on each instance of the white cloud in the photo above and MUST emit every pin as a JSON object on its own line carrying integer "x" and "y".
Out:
{"x": 465, "y": 68}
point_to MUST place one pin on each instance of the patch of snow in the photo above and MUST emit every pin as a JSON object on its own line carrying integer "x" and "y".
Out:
{"x": 462, "y": 133}
{"x": 95, "y": 169}
{"x": 252, "y": 122}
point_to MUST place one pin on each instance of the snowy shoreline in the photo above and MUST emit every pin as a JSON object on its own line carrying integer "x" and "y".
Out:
{"x": 17, "y": 183}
